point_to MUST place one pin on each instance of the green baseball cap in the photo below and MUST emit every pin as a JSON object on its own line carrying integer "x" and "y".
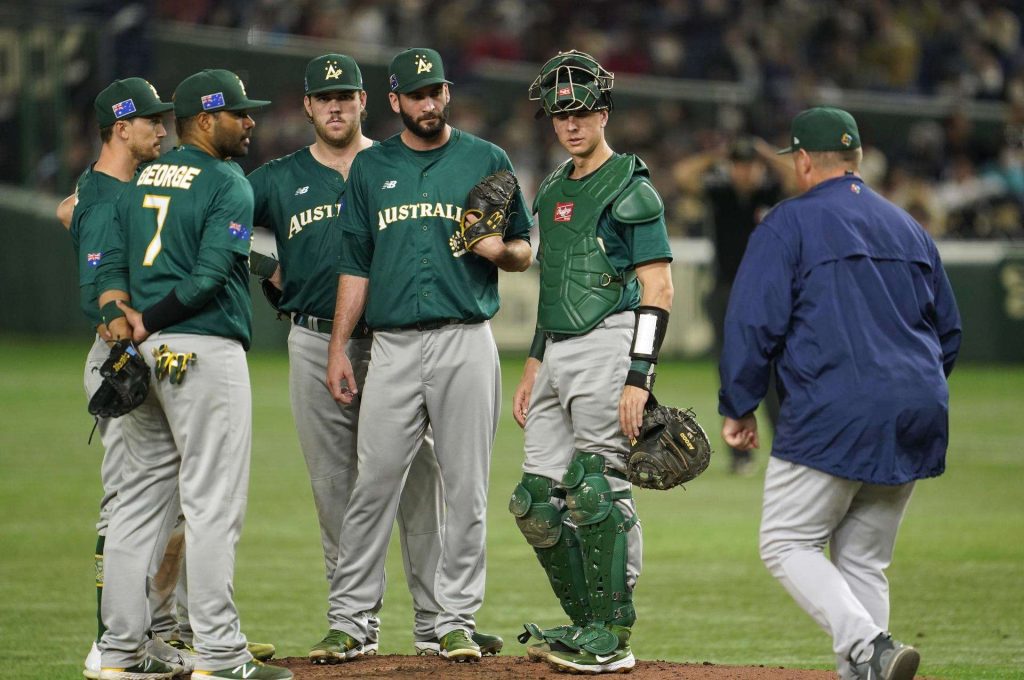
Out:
{"x": 213, "y": 89}
{"x": 823, "y": 128}
{"x": 128, "y": 98}
{"x": 332, "y": 72}
{"x": 416, "y": 68}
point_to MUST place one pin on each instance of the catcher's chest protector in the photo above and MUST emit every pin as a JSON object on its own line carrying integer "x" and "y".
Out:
{"x": 578, "y": 284}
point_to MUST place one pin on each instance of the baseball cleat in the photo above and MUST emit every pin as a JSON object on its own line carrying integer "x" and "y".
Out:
{"x": 251, "y": 670}
{"x": 570, "y": 661}
{"x": 489, "y": 645}
{"x": 538, "y": 651}
{"x": 261, "y": 651}
{"x": 148, "y": 669}
{"x": 370, "y": 648}
{"x": 457, "y": 646}
{"x": 890, "y": 660}
{"x": 92, "y": 663}
{"x": 182, "y": 660}
{"x": 335, "y": 648}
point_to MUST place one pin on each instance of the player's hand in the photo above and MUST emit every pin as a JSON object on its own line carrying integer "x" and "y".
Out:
{"x": 341, "y": 380}
{"x": 521, "y": 398}
{"x": 118, "y": 329}
{"x": 275, "y": 278}
{"x": 631, "y": 409}
{"x": 134, "y": 317}
{"x": 491, "y": 248}
{"x": 741, "y": 434}
{"x": 104, "y": 333}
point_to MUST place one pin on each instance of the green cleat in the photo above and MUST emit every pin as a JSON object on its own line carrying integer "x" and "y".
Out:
{"x": 251, "y": 670}
{"x": 458, "y": 646}
{"x": 537, "y": 651}
{"x": 570, "y": 661}
{"x": 261, "y": 651}
{"x": 148, "y": 669}
{"x": 334, "y": 648}
{"x": 489, "y": 644}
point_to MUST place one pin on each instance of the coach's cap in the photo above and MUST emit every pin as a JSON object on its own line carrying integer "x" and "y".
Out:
{"x": 415, "y": 68}
{"x": 128, "y": 98}
{"x": 823, "y": 129}
{"x": 212, "y": 90}
{"x": 332, "y": 72}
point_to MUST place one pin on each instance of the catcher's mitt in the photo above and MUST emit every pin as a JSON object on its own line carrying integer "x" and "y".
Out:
{"x": 489, "y": 200}
{"x": 125, "y": 382}
{"x": 672, "y": 448}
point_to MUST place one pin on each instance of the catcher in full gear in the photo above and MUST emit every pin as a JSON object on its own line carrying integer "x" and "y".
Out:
{"x": 605, "y": 295}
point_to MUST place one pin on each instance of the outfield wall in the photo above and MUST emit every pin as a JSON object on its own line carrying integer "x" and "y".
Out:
{"x": 40, "y": 291}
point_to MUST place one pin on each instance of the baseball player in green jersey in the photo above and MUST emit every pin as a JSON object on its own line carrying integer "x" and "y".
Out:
{"x": 605, "y": 294}
{"x": 130, "y": 116}
{"x": 178, "y": 249}
{"x": 433, "y": 359}
{"x": 299, "y": 197}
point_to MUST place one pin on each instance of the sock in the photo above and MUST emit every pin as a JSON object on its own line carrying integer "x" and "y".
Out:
{"x": 99, "y": 587}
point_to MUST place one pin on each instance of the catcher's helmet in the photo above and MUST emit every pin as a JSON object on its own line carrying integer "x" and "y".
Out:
{"x": 572, "y": 81}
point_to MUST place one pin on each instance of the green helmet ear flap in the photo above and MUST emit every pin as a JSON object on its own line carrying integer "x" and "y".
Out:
{"x": 572, "y": 81}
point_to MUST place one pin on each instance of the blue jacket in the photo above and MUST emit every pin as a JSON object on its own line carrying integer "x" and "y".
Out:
{"x": 846, "y": 294}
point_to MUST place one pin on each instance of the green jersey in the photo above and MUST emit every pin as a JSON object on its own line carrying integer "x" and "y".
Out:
{"x": 96, "y": 197}
{"x": 186, "y": 202}
{"x": 299, "y": 198}
{"x": 400, "y": 229}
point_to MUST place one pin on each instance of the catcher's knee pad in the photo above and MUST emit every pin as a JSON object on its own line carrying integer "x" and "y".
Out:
{"x": 601, "y": 528}
{"x": 558, "y": 550}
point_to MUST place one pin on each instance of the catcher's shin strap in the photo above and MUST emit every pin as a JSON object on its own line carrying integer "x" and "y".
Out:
{"x": 315, "y": 323}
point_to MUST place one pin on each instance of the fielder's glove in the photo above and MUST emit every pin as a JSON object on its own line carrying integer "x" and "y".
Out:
{"x": 672, "y": 448}
{"x": 489, "y": 200}
{"x": 125, "y": 382}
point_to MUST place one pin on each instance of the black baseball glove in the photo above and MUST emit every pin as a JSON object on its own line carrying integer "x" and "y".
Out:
{"x": 672, "y": 448}
{"x": 489, "y": 200}
{"x": 125, "y": 382}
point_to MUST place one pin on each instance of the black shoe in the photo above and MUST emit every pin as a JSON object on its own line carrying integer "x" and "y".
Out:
{"x": 890, "y": 660}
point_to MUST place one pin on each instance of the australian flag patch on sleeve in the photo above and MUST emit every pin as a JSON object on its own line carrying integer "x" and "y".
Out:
{"x": 93, "y": 259}
{"x": 239, "y": 231}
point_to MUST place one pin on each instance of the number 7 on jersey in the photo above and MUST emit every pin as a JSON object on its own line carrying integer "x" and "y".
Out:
{"x": 160, "y": 204}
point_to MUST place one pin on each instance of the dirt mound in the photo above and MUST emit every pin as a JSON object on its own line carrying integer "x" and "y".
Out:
{"x": 517, "y": 667}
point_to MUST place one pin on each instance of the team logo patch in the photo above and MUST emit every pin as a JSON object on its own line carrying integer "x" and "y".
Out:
{"x": 393, "y": 81}
{"x": 846, "y": 139}
{"x": 563, "y": 212}
{"x": 125, "y": 108}
{"x": 212, "y": 101}
{"x": 239, "y": 231}
{"x": 564, "y": 91}
{"x": 422, "y": 65}
{"x": 331, "y": 70}
{"x": 855, "y": 188}
{"x": 93, "y": 259}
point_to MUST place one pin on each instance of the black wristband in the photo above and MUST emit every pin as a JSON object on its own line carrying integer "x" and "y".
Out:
{"x": 648, "y": 333}
{"x": 642, "y": 380}
{"x": 538, "y": 345}
{"x": 167, "y": 312}
{"x": 262, "y": 266}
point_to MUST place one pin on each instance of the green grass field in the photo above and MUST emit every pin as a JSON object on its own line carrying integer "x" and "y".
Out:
{"x": 957, "y": 581}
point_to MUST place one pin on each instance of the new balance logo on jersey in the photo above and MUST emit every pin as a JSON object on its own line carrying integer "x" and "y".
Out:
{"x": 311, "y": 215}
{"x": 415, "y": 211}
{"x": 301, "y": 190}
{"x": 390, "y": 184}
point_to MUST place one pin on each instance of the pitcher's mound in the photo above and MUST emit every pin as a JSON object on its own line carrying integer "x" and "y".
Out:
{"x": 517, "y": 667}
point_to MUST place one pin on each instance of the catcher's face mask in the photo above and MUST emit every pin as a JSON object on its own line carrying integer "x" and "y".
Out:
{"x": 572, "y": 81}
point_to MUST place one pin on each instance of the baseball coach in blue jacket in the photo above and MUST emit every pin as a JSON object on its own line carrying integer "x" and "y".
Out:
{"x": 843, "y": 295}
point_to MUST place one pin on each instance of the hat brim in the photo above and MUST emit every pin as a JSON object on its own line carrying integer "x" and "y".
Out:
{"x": 420, "y": 84}
{"x": 245, "y": 105}
{"x": 783, "y": 152}
{"x": 335, "y": 88}
{"x": 159, "y": 107}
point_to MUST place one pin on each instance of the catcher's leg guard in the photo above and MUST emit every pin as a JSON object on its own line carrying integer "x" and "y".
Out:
{"x": 542, "y": 523}
{"x": 601, "y": 529}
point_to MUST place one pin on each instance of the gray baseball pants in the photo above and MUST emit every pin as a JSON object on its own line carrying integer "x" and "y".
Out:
{"x": 448, "y": 379}
{"x": 574, "y": 407}
{"x": 194, "y": 438}
{"x": 328, "y": 434}
{"x": 847, "y": 592}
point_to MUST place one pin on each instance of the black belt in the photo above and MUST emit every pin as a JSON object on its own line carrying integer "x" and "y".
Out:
{"x": 319, "y": 325}
{"x": 558, "y": 337}
{"x": 433, "y": 325}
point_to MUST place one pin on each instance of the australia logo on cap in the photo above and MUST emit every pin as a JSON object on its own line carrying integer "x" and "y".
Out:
{"x": 422, "y": 65}
{"x": 125, "y": 108}
{"x": 331, "y": 71}
{"x": 393, "y": 81}
{"x": 846, "y": 139}
{"x": 212, "y": 101}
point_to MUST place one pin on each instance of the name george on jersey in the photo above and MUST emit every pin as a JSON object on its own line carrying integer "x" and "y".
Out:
{"x": 415, "y": 211}
{"x": 166, "y": 175}
{"x": 310, "y": 215}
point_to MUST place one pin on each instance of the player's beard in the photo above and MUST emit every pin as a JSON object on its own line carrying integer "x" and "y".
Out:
{"x": 338, "y": 140}
{"x": 230, "y": 144}
{"x": 428, "y": 129}
{"x": 144, "y": 153}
